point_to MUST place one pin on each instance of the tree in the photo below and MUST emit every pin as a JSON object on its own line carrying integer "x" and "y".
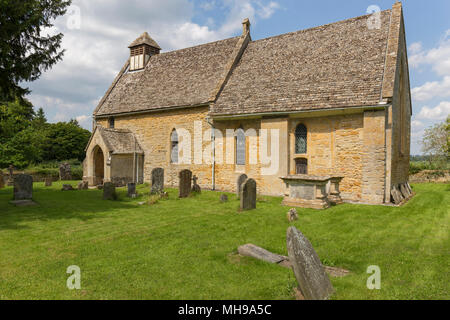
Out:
{"x": 39, "y": 121}
{"x": 15, "y": 116}
{"x": 24, "y": 51}
{"x": 447, "y": 130}
{"x": 434, "y": 142}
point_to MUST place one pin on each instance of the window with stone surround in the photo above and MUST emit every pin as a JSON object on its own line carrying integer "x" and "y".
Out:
{"x": 240, "y": 147}
{"x": 174, "y": 146}
{"x": 111, "y": 122}
{"x": 300, "y": 139}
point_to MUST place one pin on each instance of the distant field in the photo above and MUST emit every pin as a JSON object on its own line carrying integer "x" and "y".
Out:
{"x": 186, "y": 249}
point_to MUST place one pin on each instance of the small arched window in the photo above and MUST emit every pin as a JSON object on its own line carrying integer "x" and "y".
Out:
{"x": 300, "y": 139}
{"x": 111, "y": 122}
{"x": 240, "y": 147}
{"x": 174, "y": 146}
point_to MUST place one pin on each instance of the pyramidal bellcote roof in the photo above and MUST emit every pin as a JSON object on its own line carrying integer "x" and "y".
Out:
{"x": 144, "y": 39}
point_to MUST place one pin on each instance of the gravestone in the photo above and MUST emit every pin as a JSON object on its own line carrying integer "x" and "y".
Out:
{"x": 131, "y": 190}
{"x": 10, "y": 181}
{"x": 240, "y": 180}
{"x": 48, "y": 182}
{"x": 83, "y": 185}
{"x": 185, "y": 177}
{"x": 157, "y": 180}
{"x": 223, "y": 198}
{"x": 2, "y": 181}
{"x": 67, "y": 187}
{"x": 109, "y": 191}
{"x": 23, "y": 187}
{"x": 196, "y": 188}
{"x": 292, "y": 215}
{"x": 313, "y": 281}
{"x": 248, "y": 195}
{"x": 65, "y": 171}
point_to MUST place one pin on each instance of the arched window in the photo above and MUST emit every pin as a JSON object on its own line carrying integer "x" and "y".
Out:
{"x": 300, "y": 139}
{"x": 174, "y": 146}
{"x": 240, "y": 147}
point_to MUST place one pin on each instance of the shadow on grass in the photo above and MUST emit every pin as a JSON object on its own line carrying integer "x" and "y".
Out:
{"x": 54, "y": 204}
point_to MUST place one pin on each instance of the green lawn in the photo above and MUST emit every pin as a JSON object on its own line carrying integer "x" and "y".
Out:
{"x": 186, "y": 249}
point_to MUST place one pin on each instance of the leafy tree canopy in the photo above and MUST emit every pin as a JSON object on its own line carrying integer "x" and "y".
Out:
{"x": 25, "y": 52}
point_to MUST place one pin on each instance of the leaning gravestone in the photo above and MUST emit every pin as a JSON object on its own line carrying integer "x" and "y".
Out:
{"x": 248, "y": 195}
{"x": 131, "y": 190}
{"x": 185, "y": 187}
{"x": 65, "y": 171}
{"x": 310, "y": 274}
{"x": 240, "y": 180}
{"x": 109, "y": 191}
{"x": 157, "y": 180}
{"x": 2, "y": 181}
{"x": 23, "y": 187}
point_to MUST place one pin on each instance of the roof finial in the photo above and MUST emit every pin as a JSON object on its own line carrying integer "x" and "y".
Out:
{"x": 246, "y": 25}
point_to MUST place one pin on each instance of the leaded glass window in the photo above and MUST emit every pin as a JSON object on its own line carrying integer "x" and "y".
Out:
{"x": 240, "y": 147}
{"x": 300, "y": 139}
{"x": 174, "y": 147}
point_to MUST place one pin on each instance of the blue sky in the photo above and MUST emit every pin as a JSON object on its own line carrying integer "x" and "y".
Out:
{"x": 97, "y": 33}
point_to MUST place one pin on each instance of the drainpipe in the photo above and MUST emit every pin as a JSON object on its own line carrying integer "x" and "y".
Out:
{"x": 213, "y": 146}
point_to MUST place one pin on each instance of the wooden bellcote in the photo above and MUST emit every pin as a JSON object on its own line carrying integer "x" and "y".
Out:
{"x": 141, "y": 50}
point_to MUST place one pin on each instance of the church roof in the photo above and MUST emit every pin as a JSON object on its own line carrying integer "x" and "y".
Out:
{"x": 186, "y": 77}
{"x": 144, "y": 39}
{"x": 119, "y": 141}
{"x": 336, "y": 65}
{"x": 343, "y": 64}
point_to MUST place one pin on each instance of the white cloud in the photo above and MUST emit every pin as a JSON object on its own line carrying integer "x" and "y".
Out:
{"x": 431, "y": 90}
{"x": 266, "y": 11}
{"x": 438, "y": 58}
{"x": 440, "y": 112}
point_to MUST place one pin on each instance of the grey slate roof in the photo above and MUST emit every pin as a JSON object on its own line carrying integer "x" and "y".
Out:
{"x": 336, "y": 65}
{"x": 186, "y": 77}
{"x": 119, "y": 141}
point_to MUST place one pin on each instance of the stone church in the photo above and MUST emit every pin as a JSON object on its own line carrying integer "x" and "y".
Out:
{"x": 338, "y": 95}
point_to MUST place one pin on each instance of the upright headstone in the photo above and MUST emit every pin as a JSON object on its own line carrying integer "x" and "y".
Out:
{"x": 23, "y": 187}
{"x": 185, "y": 177}
{"x": 131, "y": 190}
{"x": 223, "y": 198}
{"x": 65, "y": 171}
{"x": 109, "y": 191}
{"x": 310, "y": 274}
{"x": 248, "y": 195}
{"x": 48, "y": 182}
{"x": 240, "y": 180}
{"x": 83, "y": 185}
{"x": 2, "y": 181}
{"x": 157, "y": 180}
{"x": 195, "y": 187}
{"x": 11, "y": 175}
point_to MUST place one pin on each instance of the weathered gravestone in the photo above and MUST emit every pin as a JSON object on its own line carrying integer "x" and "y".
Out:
{"x": 2, "y": 181}
{"x": 23, "y": 187}
{"x": 65, "y": 171}
{"x": 48, "y": 182}
{"x": 223, "y": 198}
{"x": 157, "y": 180}
{"x": 196, "y": 188}
{"x": 248, "y": 195}
{"x": 292, "y": 215}
{"x": 67, "y": 187}
{"x": 185, "y": 188}
{"x": 313, "y": 281}
{"x": 109, "y": 191}
{"x": 240, "y": 180}
{"x": 131, "y": 190}
{"x": 83, "y": 185}
{"x": 10, "y": 181}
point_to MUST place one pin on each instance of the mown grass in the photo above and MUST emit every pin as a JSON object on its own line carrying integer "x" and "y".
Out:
{"x": 186, "y": 249}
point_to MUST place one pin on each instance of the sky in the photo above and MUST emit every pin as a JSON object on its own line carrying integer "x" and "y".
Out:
{"x": 97, "y": 34}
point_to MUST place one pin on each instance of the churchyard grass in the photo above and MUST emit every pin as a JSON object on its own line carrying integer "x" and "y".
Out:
{"x": 187, "y": 248}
